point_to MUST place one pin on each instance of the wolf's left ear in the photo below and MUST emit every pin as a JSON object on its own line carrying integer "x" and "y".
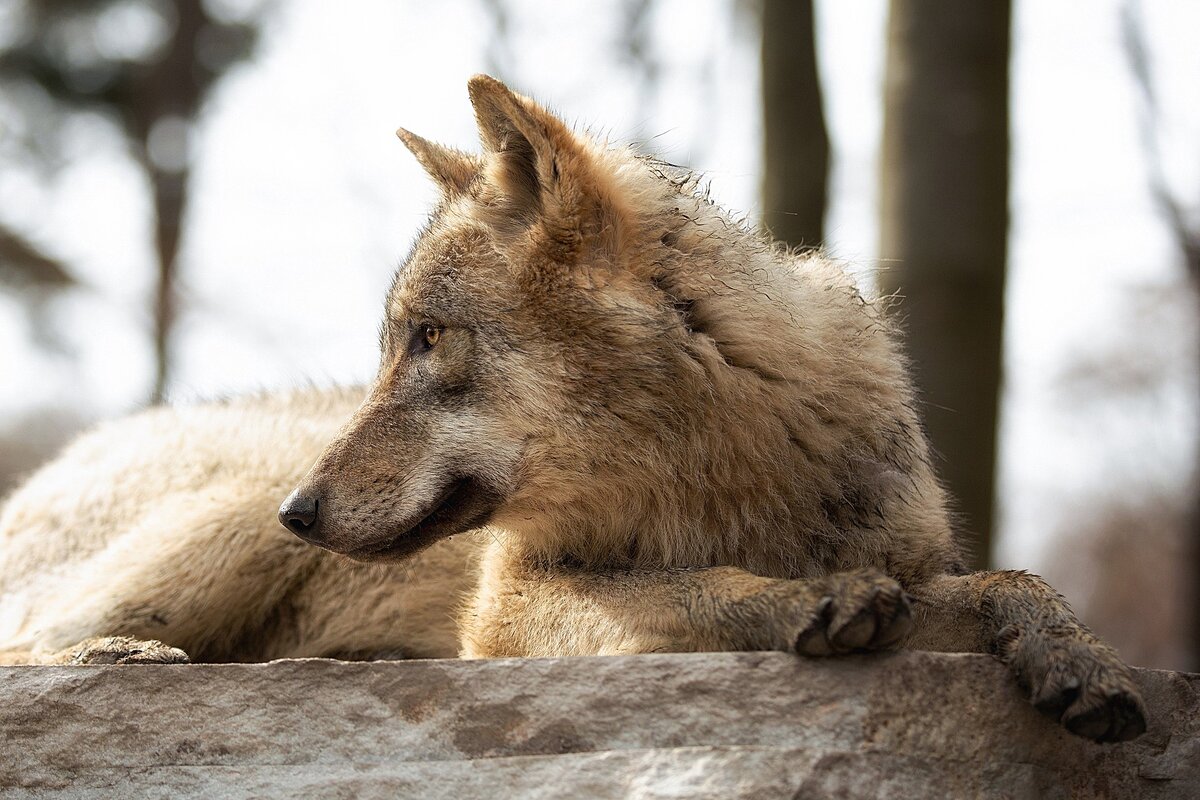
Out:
{"x": 545, "y": 178}
{"x": 451, "y": 170}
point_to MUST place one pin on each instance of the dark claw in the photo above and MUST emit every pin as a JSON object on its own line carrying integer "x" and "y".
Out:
{"x": 812, "y": 640}
{"x": 1054, "y": 702}
{"x": 1119, "y": 719}
{"x": 899, "y": 626}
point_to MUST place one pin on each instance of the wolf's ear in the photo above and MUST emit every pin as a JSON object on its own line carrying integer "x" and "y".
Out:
{"x": 451, "y": 170}
{"x": 544, "y": 176}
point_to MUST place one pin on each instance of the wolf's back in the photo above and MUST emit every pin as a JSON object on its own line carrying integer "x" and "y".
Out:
{"x": 200, "y": 482}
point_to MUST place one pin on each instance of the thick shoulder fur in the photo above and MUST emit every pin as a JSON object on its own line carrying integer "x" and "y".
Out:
{"x": 781, "y": 417}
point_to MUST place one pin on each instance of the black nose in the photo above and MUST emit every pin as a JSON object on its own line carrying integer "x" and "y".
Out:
{"x": 299, "y": 514}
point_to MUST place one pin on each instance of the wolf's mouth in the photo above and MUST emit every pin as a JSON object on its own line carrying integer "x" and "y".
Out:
{"x": 463, "y": 505}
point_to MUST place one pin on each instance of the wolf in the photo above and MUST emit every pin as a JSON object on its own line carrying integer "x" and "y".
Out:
{"x": 607, "y": 419}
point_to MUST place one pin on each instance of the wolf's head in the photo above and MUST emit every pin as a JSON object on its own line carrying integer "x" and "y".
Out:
{"x": 572, "y": 349}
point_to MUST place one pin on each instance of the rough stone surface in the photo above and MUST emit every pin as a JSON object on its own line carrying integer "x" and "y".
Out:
{"x": 726, "y": 725}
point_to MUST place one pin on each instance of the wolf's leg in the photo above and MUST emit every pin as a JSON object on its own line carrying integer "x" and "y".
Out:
{"x": 524, "y": 610}
{"x": 1070, "y": 674}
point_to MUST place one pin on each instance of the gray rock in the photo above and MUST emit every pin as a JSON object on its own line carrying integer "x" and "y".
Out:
{"x": 722, "y": 725}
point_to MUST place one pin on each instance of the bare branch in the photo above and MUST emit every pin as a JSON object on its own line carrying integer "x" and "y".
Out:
{"x": 1137, "y": 52}
{"x": 24, "y": 265}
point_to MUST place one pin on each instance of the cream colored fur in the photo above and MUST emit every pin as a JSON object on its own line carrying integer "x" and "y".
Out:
{"x": 163, "y": 526}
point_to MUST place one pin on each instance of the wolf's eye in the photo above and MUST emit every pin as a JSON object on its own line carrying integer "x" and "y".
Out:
{"x": 424, "y": 337}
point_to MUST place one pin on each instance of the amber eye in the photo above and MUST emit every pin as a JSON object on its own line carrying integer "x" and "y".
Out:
{"x": 431, "y": 335}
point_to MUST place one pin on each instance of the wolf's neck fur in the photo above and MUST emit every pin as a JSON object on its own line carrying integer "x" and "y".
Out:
{"x": 792, "y": 447}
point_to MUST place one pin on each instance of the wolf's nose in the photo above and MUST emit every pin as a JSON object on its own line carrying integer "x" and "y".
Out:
{"x": 299, "y": 514}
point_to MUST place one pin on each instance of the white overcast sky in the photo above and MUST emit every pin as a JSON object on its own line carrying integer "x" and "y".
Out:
{"x": 304, "y": 202}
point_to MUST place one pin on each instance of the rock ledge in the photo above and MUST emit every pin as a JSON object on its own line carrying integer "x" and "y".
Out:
{"x": 706, "y": 725}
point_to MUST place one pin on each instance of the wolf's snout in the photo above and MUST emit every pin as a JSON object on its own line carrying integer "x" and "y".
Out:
{"x": 300, "y": 514}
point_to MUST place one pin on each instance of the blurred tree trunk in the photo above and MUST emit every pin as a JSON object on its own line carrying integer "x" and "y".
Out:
{"x": 944, "y": 230}
{"x": 795, "y": 142}
{"x": 170, "y": 92}
{"x": 169, "y": 199}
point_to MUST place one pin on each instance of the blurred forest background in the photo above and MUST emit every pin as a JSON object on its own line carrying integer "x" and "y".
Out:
{"x": 200, "y": 197}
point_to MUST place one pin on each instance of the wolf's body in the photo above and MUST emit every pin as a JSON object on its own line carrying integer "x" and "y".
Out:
{"x": 674, "y": 436}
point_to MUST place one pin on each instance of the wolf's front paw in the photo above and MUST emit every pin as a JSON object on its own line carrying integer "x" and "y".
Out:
{"x": 123, "y": 650}
{"x": 1077, "y": 680}
{"x": 863, "y": 610}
